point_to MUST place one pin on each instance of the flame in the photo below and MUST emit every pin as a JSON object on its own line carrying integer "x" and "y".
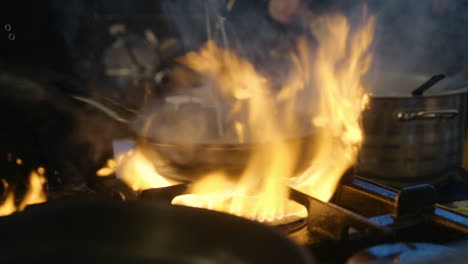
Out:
{"x": 327, "y": 80}
{"x": 139, "y": 173}
{"x": 260, "y": 193}
{"x": 224, "y": 68}
{"x": 342, "y": 60}
{"x": 34, "y": 195}
{"x": 217, "y": 192}
{"x": 240, "y": 131}
{"x": 8, "y": 206}
{"x": 108, "y": 169}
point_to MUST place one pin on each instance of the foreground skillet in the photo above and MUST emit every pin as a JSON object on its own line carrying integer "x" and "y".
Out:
{"x": 139, "y": 232}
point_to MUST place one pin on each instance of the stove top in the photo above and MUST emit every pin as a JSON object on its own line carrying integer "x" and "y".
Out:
{"x": 364, "y": 215}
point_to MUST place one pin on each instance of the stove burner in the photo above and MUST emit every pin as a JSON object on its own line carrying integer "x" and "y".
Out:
{"x": 293, "y": 211}
{"x": 402, "y": 253}
{"x": 363, "y": 214}
{"x": 292, "y": 221}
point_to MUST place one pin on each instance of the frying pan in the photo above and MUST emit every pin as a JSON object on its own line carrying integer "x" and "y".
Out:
{"x": 139, "y": 232}
{"x": 176, "y": 157}
{"x": 188, "y": 162}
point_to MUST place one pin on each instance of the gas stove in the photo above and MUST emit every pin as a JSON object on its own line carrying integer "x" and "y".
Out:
{"x": 366, "y": 221}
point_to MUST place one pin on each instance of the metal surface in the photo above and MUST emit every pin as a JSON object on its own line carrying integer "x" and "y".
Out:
{"x": 403, "y": 253}
{"x": 335, "y": 230}
{"x": 361, "y": 205}
{"x": 427, "y": 95}
{"x": 139, "y": 232}
{"x": 363, "y": 214}
{"x": 451, "y": 219}
{"x": 425, "y": 86}
{"x": 188, "y": 162}
{"x": 408, "y": 207}
{"x": 412, "y": 140}
{"x": 336, "y": 223}
{"x": 415, "y": 201}
{"x": 426, "y": 115}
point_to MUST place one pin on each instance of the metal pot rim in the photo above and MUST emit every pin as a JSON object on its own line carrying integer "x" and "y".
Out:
{"x": 141, "y": 140}
{"x": 429, "y": 95}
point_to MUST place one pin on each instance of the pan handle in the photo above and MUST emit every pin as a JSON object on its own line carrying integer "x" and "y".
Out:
{"x": 426, "y": 115}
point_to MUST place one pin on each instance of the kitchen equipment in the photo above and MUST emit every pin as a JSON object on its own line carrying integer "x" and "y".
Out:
{"x": 425, "y": 86}
{"x": 413, "y": 139}
{"x": 188, "y": 162}
{"x": 139, "y": 232}
{"x": 179, "y": 154}
{"x": 363, "y": 214}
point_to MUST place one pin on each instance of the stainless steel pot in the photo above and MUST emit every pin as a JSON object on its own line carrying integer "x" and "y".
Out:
{"x": 412, "y": 139}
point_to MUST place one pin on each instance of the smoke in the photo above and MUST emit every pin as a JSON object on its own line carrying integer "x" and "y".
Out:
{"x": 244, "y": 27}
{"x": 417, "y": 39}
{"x": 193, "y": 20}
{"x": 414, "y": 40}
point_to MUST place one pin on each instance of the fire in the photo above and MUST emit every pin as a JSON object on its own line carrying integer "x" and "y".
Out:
{"x": 8, "y": 206}
{"x": 324, "y": 85}
{"x": 107, "y": 170}
{"x": 217, "y": 192}
{"x": 34, "y": 195}
{"x": 240, "y": 131}
{"x": 260, "y": 193}
{"x": 342, "y": 60}
{"x": 139, "y": 173}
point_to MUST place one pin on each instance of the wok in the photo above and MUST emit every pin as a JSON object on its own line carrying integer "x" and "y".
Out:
{"x": 139, "y": 232}
{"x": 188, "y": 162}
{"x": 181, "y": 155}
{"x": 184, "y": 148}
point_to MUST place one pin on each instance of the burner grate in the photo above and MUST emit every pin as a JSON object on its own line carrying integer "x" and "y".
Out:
{"x": 362, "y": 214}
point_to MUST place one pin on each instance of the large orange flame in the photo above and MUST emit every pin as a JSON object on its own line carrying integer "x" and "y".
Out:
{"x": 342, "y": 60}
{"x": 260, "y": 193}
{"x": 328, "y": 80}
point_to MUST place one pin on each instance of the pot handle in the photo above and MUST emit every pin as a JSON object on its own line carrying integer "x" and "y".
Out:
{"x": 426, "y": 115}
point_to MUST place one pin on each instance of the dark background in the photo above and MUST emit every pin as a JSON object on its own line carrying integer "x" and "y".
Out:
{"x": 59, "y": 46}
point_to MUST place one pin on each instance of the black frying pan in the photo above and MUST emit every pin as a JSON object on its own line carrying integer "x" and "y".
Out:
{"x": 139, "y": 232}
